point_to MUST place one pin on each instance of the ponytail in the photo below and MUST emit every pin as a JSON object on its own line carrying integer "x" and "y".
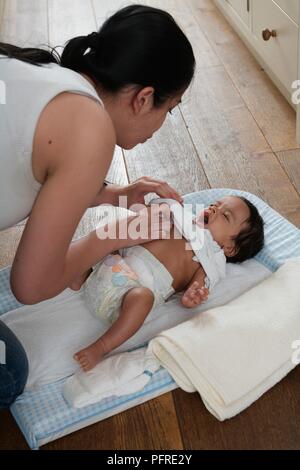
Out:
{"x": 31, "y": 55}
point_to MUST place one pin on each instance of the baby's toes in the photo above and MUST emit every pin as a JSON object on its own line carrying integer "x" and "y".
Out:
{"x": 80, "y": 357}
{"x": 77, "y": 356}
{"x": 85, "y": 366}
{"x": 84, "y": 363}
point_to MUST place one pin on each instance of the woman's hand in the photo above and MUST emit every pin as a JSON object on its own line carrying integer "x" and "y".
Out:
{"x": 136, "y": 191}
{"x": 151, "y": 223}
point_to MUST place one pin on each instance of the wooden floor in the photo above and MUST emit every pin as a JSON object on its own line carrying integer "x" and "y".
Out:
{"x": 233, "y": 129}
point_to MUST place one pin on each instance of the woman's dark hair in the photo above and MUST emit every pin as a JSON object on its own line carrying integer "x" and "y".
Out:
{"x": 137, "y": 45}
{"x": 250, "y": 240}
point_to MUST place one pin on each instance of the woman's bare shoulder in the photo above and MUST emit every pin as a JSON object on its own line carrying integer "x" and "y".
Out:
{"x": 77, "y": 143}
{"x": 68, "y": 119}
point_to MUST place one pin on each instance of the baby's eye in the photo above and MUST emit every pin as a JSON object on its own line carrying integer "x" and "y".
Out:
{"x": 226, "y": 216}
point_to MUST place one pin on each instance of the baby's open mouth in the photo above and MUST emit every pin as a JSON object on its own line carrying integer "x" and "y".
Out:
{"x": 206, "y": 217}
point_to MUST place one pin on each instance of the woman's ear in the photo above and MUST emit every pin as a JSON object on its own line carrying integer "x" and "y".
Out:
{"x": 142, "y": 101}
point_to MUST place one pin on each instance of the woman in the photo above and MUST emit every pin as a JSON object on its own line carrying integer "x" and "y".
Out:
{"x": 57, "y": 139}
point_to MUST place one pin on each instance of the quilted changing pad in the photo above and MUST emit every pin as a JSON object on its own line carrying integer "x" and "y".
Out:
{"x": 42, "y": 413}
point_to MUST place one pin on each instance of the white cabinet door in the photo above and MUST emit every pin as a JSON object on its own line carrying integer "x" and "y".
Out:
{"x": 291, "y": 8}
{"x": 241, "y": 7}
{"x": 279, "y": 52}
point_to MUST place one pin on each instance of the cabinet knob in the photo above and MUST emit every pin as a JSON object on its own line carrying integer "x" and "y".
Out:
{"x": 267, "y": 34}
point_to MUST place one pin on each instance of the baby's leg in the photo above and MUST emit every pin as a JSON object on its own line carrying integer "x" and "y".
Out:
{"x": 136, "y": 305}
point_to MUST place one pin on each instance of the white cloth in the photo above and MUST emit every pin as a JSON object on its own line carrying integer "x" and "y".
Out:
{"x": 233, "y": 354}
{"x": 121, "y": 374}
{"x": 207, "y": 251}
{"x": 53, "y": 330}
{"x": 29, "y": 89}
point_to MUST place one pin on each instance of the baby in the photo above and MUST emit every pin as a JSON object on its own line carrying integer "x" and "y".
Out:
{"x": 125, "y": 286}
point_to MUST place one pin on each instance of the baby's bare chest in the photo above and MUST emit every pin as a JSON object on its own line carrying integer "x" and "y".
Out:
{"x": 177, "y": 257}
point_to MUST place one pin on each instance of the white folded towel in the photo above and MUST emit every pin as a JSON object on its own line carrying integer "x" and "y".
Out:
{"x": 121, "y": 374}
{"x": 234, "y": 353}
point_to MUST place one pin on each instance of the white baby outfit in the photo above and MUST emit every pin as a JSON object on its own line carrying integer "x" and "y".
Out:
{"x": 207, "y": 251}
{"x": 133, "y": 267}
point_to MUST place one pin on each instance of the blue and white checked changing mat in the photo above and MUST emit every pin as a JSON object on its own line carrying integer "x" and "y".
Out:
{"x": 43, "y": 415}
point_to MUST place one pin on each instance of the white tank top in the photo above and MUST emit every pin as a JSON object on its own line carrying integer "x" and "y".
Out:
{"x": 25, "y": 90}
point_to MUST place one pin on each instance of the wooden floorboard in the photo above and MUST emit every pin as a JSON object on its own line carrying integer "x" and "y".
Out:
{"x": 290, "y": 161}
{"x": 11, "y": 438}
{"x": 167, "y": 156}
{"x": 9, "y": 240}
{"x": 233, "y": 129}
{"x": 1, "y": 12}
{"x": 69, "y": 18}
{"x": 274, "y": 116}
{"x": 152, "y": 425}
{"x": 268, "y": 424}
{"x": 25, "y": 23}
{"x": 204, "y": 54}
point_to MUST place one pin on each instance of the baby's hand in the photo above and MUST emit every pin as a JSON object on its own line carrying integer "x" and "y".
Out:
{"x": 194, "y": 295}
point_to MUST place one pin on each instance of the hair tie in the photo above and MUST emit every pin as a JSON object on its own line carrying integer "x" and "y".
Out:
{"x": 92, "y": 40}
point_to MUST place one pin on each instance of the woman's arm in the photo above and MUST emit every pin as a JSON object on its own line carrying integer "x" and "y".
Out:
{"x": 108, "y": 194}
{"x": 135, "y": 192}
{"x": 82, "y": 144}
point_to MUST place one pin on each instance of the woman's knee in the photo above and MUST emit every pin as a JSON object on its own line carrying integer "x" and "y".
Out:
{"x": 13, "y": 369}
{"x": 11, "y": 386}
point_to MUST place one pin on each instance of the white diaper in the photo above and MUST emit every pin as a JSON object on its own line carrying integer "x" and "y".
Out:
{"x": 116, "y": 274}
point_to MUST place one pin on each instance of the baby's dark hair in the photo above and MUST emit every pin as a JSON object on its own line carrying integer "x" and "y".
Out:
{"x": 250, "y": 240}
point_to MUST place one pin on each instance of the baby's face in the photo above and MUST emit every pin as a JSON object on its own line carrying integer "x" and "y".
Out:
{"x": 225, "y": 219}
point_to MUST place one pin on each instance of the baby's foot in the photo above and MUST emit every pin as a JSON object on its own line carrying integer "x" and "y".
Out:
{"x": 194, "y": 295}
{"x": 89, "y": 357}
{"x": 78, "y": 281}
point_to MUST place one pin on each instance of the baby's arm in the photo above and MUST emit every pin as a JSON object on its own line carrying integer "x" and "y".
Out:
{"x": 195, "y": 292}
